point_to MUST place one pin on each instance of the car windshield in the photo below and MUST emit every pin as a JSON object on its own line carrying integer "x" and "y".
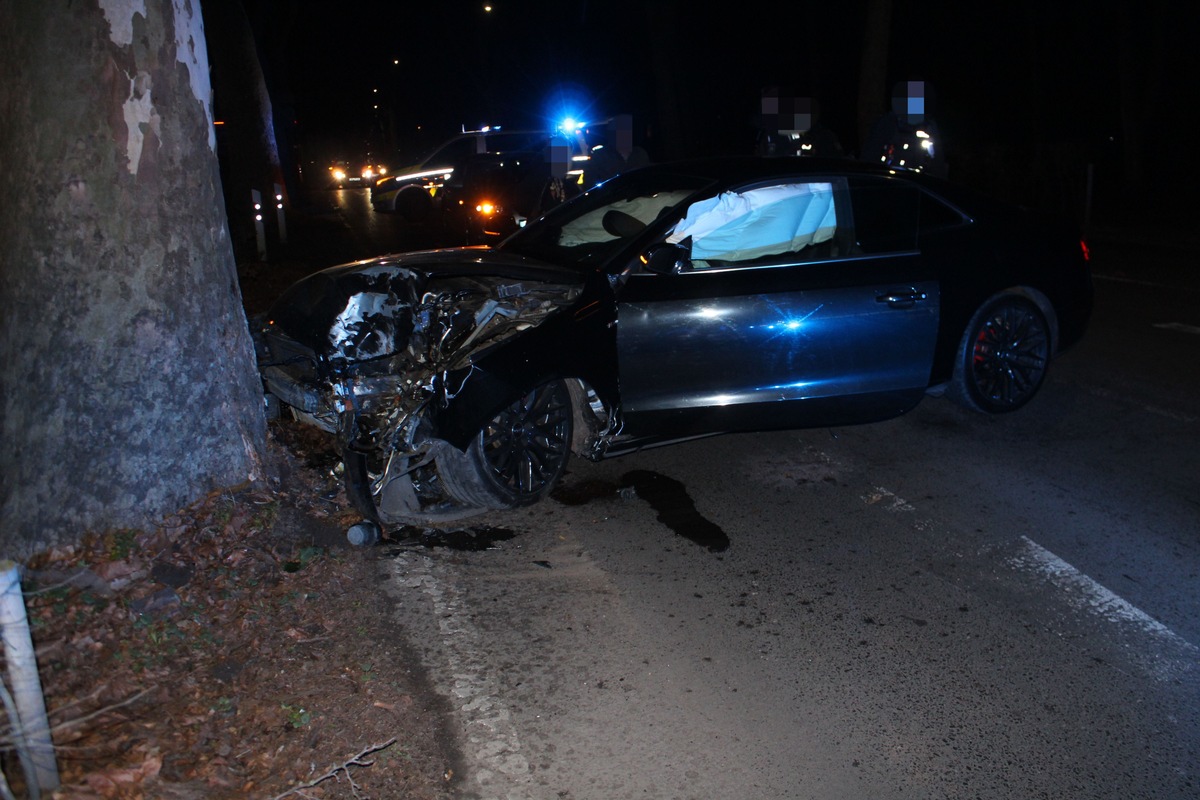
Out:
{"x": 592, "y": 228}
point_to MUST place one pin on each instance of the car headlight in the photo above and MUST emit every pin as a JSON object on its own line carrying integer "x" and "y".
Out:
{"x": 339, "y": 175}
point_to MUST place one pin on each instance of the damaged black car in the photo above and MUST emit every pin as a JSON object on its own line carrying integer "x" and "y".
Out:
{"x": 675, "y": 301}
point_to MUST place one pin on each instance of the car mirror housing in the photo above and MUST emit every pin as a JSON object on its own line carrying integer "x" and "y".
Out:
{"x": 665, "y": 258}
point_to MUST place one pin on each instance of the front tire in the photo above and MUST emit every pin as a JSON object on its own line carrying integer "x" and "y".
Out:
{"x": 1002, "y": 358}
{"x": 413, "y": 203}
{"x": 518, "y": 456}
{"x": 387, "y": 493}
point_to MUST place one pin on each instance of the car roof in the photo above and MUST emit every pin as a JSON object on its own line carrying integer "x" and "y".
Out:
{"x": 746, "y": 169}
{"x": 737, "y": 168}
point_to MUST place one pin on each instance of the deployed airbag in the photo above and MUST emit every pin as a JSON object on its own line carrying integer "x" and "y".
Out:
{"x": 740, "y": 226}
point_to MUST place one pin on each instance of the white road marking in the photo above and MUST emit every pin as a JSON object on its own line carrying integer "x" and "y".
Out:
{"x": 1091, "y": 598}
{"x": 499, "y": 767}
{"x": 1172, "y": 656}
{"x": 1178, "y": 326}
{"x": 1134, "y": 281}
{"x": 1087, "y": 593}
{"x": 1178, "y": 416}
{"x": 1169, "y": 414}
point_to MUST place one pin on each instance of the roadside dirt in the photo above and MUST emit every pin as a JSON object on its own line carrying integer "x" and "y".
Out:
{"x": 241, "y": 649}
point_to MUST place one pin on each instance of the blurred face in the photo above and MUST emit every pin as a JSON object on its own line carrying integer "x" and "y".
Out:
{"x": 908, "y": 102}
{"x": 621, "y": 134}
{"x": 787, "y": 113}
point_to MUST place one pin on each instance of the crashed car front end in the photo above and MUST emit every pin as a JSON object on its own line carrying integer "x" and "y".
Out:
{"x": 366, "y": 350}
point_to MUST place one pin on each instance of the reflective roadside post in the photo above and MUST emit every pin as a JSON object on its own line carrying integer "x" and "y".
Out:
{"x": 279, "y": 216}
{"x": 260, "y": 235}
{"x": 28, "y": 724}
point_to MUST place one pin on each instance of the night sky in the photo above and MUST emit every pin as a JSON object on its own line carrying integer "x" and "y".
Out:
{"x": 1023, "y": 70}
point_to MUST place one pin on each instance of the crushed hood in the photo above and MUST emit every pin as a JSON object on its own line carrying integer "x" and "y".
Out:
{"x": 429, "y": 306}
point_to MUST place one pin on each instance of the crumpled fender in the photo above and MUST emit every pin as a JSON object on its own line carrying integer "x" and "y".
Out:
{"x": 579, "y": 343}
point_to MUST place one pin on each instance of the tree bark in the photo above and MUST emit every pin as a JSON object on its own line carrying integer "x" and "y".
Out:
{"x": 127, "y": 379}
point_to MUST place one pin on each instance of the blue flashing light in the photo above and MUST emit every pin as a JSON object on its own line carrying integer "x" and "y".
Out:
{"x": 565, "y": 107}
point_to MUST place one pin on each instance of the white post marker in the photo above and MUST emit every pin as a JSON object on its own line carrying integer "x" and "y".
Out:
{"x": 34, "y": 728}
{"x": 279, "y": 214}
{"x": 260, "y": 235}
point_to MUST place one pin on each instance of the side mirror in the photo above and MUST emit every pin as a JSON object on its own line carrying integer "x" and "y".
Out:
{"x": 668, "y": 259}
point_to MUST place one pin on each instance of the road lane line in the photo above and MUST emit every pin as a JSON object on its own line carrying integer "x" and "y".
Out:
{"x": 499, "y": 767}
{"x": 1106, "y": 394}
{"x": 1172, "y": 655}
{"x": 1133, "y": 281}
{"x": 1089, "y": 597}
{"x": 1178, "y": 326}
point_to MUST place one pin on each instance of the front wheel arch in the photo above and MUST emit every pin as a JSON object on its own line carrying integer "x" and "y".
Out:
{"x": 413, "y": 203}
{"x": 519, "y": 454}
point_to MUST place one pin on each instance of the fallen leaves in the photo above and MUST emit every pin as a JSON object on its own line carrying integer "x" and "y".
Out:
{"x": 220, "y": 655}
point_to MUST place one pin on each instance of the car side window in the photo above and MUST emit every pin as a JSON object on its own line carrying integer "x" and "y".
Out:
{"x": 760, "y": 226}
{"x": 886, "y": 214}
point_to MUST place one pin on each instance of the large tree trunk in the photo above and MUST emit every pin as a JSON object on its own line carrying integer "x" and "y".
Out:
{"x": 127, "y": 379}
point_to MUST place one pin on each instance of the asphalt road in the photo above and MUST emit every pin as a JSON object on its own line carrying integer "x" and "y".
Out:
{"x": 943, "y": 605}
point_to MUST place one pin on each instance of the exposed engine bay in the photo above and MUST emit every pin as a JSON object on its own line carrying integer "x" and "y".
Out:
{"x": 366, "y": 351}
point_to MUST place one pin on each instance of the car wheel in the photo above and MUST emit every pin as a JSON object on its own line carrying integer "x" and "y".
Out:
{"x": 519, "y": 455}
{"x": 385, "y": 490}
{"x": 1002, "y": 358}
{"x": 413, "y": 204}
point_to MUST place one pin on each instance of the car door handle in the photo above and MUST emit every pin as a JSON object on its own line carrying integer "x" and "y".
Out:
{"x": 901, "y": 299}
